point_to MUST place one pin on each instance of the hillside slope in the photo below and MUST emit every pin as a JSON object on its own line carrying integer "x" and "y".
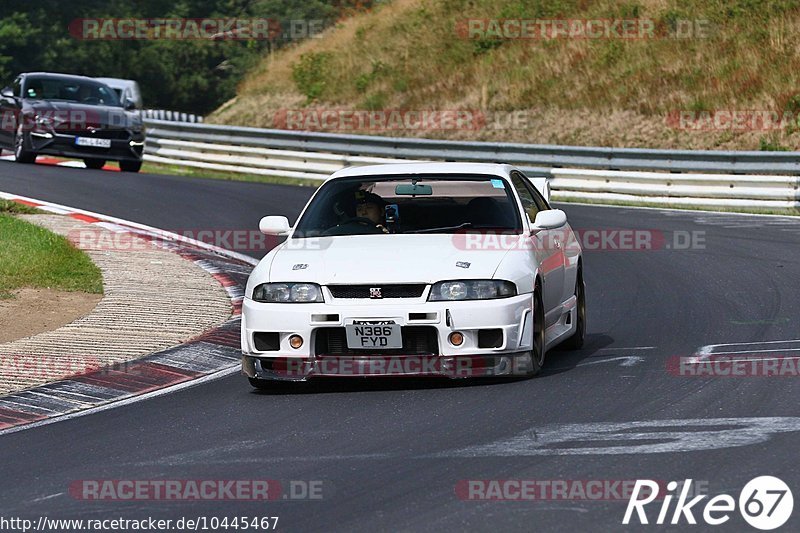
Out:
{"x": 711, "y": 74}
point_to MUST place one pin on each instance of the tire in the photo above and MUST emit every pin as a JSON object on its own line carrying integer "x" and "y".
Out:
{"x": 538, "y": 351}
{"x": 575, "y": 342}
{"x": 94, "y": 163}
{"x": 21, "y": 155}
{"x": 260, "y": 384}
{"x": 130, "y": 166}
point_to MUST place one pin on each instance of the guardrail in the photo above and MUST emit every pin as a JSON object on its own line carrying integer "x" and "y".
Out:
{"x": 684, "y": 177}
{"x": 526, "y": 156}
{"x": 699, "y": 190}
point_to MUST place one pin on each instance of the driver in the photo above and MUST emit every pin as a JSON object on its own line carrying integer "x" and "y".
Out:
{"x": 365, "y": 214}
{"x": 371, "y": 206}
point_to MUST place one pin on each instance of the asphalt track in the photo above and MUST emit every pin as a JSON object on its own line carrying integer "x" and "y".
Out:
{"x": 391, "y": 453}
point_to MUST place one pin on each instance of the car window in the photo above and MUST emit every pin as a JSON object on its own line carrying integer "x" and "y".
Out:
{"x": 424, "y": 204}
{"x": 529, "y": 203}
{"x": 541, "y": 203}
{"x": 70, "y": 90}
{"x": 17, "y": 87}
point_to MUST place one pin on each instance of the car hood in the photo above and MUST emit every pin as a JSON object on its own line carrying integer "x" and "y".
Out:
{"x": 382, "y": 259}
{"x": 73, "y": 115}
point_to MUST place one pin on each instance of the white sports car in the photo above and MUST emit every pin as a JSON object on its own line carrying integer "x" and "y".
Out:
{"x": 442, "y": 269}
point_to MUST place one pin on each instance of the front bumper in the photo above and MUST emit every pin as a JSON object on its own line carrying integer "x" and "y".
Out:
{"x": 59, "y": 144}
{"x": 508, "y": 356}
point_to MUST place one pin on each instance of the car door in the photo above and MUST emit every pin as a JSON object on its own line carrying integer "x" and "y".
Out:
{"x": 546, "y": 247}
{"x": 9, "y": 112}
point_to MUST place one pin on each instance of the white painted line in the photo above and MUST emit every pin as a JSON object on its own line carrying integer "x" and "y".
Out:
{"x": 758, "y": 351}
{"x": 45, "y": 498}
{"x": 54, "y": 210}
{"x": 751, "y": 343}
{"x": 639, "y": 437}
{"x": 628, "y": 348}
{"x": 627, "y": 360}
{"x": 745, "y": 359}
{"x": 15, "y": 403}
{"x": 60, "y": 397}
{"x": 704, "y": 352}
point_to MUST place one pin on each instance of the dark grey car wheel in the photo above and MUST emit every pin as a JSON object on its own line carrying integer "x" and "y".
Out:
{"x": 21, "y": 154}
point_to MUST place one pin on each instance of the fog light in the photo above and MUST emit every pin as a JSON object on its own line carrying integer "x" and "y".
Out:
{"x": 295, "y": 341}
{"x": 456, "y": 338}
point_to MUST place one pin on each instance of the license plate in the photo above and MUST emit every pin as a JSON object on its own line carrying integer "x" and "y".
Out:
{"x": 93, "y": 142}
{"x": 373, "y": 335}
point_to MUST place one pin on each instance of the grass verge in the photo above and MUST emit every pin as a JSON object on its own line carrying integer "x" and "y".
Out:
{"x": 31, "y": 256}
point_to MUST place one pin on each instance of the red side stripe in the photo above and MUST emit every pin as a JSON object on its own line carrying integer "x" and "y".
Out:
{"x": 85, "y": 218}
{"x": 26, "y": 202}
{"x": 224, "y": 280}
{"x": 10, "y": 418}
{"x": 139, "y": 377}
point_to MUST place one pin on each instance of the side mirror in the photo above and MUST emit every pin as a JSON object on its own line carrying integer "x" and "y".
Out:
{"x": 128, "y": 104}
{"x": 7, "y": 92}
{"x": 274, "y": 225}
{"x": 550, "y": 219}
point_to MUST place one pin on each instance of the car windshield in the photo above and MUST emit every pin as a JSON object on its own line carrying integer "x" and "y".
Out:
{"x": 69, "y": 90}
{"x": 422, "y": 204}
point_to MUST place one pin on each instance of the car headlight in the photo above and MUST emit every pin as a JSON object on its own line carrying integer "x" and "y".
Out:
{"x": 288, "y": 293}
{"x": 44, "y": 122}
{"x": 472, "y": 289}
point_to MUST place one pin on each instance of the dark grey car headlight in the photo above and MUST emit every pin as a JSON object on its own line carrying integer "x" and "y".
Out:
{"x": 288, "y": 293}
{"x": 471, "y": 289}
{"x": 44, "y": 122}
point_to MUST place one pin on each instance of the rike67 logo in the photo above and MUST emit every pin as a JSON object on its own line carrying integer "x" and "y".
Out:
{"x": 765, "y": 503}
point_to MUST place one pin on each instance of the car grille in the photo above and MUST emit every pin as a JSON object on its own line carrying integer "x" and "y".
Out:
{"x": 112, "y": 133}
{"x": 387, "y": 291}
{"x": 417, "y": 340}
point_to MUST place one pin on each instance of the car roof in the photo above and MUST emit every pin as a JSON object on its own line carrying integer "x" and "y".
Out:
{"x": 492, "y": 169}
{"x": 58, "y": 75}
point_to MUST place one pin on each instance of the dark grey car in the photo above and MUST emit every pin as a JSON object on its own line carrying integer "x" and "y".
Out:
{"x": 70, "y": 116}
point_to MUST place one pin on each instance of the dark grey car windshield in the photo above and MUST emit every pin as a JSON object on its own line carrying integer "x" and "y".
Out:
{"x": 69, "y": 90}
{"x": 438, "y": 204}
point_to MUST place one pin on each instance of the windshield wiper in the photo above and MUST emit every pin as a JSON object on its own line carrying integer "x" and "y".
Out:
{"x": 462, "y": 226}
{"x": 443, "y": 228}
